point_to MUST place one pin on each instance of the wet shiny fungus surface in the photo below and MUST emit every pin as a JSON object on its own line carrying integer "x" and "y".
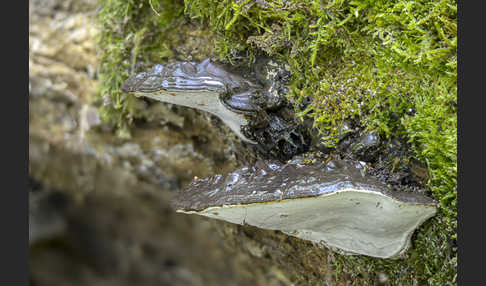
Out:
{"x": 268, "y": 181}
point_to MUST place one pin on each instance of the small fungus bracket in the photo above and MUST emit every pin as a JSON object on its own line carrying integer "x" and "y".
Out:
{"x": 255, "y": 110}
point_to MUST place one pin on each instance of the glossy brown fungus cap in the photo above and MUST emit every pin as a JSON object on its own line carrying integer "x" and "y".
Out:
{"x": 332, "y": 204}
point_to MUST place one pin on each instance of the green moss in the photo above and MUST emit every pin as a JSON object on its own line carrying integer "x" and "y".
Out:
{"x": 390, "y": 65}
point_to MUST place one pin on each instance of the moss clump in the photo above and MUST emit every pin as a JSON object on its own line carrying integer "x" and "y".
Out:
{"x": 390, "y": 65}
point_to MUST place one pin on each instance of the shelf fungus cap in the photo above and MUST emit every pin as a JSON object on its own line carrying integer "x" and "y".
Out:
{"x": 205, "y": 86}
{"x": 332, "y": 204}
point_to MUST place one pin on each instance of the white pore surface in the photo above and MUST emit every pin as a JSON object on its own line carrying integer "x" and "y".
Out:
{"x": 355, "y": 221}
{"x": 207, "y": 101}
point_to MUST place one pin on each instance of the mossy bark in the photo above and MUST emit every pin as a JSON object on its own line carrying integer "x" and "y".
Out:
{"x": 387, "y": 66}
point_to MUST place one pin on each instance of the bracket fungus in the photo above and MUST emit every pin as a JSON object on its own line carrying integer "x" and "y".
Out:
{"x": 205, "y": 86}
{"x": 253, "y": 109}
{"x": 331, "y": 203}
